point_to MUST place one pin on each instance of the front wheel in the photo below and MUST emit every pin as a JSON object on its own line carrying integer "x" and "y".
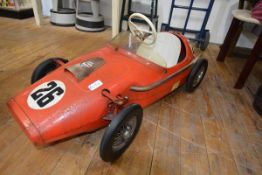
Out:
{"x": 121, "y": 132}
{"x": 197, "y": 74}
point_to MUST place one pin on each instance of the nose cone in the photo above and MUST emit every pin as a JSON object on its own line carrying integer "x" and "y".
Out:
{"x": 28, "y": 127}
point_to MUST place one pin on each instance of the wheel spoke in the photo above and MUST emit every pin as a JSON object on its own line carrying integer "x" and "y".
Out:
{"x": 125, "y": 132}
{"x": 140, "y": 33}
{"x": 134, "y": 26}
{"x": 199, "y": 76}
{"x": 146, "y": 31}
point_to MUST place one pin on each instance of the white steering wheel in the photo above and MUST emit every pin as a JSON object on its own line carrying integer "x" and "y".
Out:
{"x": 140, "y": 33}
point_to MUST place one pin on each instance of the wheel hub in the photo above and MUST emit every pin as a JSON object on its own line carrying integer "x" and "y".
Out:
{"x": 125, "y": 133}
{"x": 199, "y": 76}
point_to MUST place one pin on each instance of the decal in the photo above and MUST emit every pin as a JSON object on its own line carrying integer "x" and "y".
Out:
{"x": 175, "y": 86}
{"x": 46, "y": 95}
{"x": 95, "y": 85}
{"x": 87, "y": 64}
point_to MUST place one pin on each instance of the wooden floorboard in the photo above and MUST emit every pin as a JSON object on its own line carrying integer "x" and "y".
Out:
{"x": 212, "y": 131}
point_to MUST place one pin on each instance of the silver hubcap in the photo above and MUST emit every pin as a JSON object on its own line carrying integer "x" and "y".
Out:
{"x": 125, "y": 132}
{"x": 199, "y": 76}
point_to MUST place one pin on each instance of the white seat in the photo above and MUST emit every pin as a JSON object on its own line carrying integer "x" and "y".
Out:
{"x": 245, "y": 15}
{"x": 164, "y": 52}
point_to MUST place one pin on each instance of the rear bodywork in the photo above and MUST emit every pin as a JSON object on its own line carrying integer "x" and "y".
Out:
{"x": 76, "y": 102}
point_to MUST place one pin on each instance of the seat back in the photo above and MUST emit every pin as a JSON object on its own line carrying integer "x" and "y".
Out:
{"x": 164, "y": 52}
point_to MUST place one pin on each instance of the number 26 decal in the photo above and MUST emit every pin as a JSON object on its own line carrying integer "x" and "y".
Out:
{"x": 46, "y": 95}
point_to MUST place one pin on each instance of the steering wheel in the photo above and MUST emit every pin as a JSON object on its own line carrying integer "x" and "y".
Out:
{"x": 146, "y": 36}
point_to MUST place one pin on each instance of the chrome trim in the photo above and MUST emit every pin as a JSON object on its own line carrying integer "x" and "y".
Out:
{"x": 160, "y": 82}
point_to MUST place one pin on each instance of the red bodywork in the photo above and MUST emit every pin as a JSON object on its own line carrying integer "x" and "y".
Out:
{"x": 82, "y": 110}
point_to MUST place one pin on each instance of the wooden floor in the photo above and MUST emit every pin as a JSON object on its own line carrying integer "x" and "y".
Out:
{"x": 211, "y": 131}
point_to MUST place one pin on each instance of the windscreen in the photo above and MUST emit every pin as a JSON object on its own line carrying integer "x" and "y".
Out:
{"x": 127, "y": 41}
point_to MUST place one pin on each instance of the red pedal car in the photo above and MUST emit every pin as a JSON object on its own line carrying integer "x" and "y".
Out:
{"x": 109, "y": 86}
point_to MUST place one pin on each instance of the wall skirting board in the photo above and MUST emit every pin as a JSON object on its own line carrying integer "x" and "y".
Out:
{"x": 21, "y": 14}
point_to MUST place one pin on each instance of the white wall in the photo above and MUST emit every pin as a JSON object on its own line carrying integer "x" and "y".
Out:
{"x": 218, "y": 23}
{"x": 46, "y": 6}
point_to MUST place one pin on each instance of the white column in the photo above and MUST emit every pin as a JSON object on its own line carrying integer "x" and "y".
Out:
{"x": 37, "y": 8}
{"x": 115, "y": 17}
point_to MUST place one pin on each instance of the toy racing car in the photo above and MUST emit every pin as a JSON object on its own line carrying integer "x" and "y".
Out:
{"x": 108, "y": 87}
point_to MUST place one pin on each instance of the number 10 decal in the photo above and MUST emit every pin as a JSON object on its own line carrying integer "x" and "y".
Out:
{"x": 46, "y": 95}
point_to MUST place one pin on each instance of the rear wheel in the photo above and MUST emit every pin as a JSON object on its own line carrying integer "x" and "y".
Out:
{"x": 197, "y": 74}
{"x": 46, "y": 67}
{"x": 121, "y": 132}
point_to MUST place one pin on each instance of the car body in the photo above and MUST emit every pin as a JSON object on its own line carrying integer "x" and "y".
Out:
{"x": 76, "y": 97}
{"x": 81, "y": 106}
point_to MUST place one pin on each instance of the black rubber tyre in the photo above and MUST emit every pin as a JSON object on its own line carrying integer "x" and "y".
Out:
{"x": 163, "y": 28}
{"x": 45, "y": 67}
{"x": 120, "y": 133}
{"x": 197, "y": 74}
{"x": 257, "y": 103}
{"x": 204, "y": 44}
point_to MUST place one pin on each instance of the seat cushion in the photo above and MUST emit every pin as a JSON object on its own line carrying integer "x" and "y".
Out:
{"x": 164, "y": 52}
{"x": 245, "y": 15}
